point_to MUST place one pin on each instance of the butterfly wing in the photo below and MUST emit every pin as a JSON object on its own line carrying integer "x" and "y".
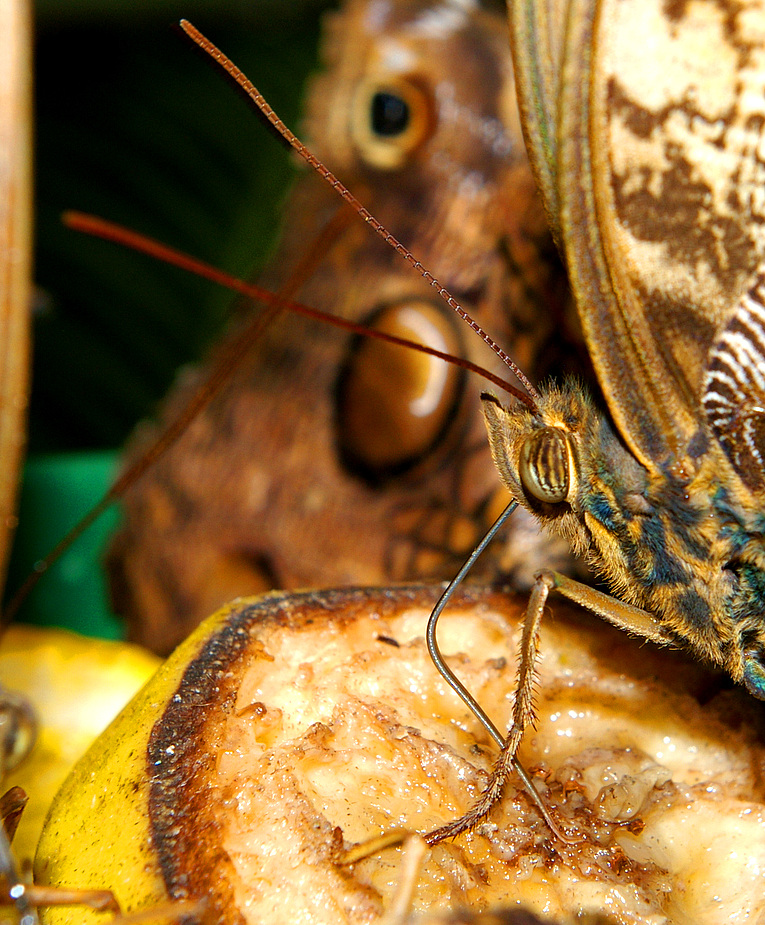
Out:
{"x": 734, "y": 388}
{"x": 537, "y": 29}
{"x": 660, "y": 179}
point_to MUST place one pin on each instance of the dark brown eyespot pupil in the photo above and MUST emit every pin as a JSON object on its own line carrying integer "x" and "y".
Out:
{"x": 389, "y": 115}
{"x": 394, "y": 404}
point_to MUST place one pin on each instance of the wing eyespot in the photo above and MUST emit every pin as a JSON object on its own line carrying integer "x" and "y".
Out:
{"x": 391, "y": 119}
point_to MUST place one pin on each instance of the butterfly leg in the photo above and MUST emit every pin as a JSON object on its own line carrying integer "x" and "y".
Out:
{"x": 624, "y": 616}
{"x": 523, "y": 715}
{"x": 100, "y": 900}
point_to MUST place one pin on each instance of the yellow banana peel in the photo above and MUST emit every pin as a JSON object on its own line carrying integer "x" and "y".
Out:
{"x": 76, "y": 685}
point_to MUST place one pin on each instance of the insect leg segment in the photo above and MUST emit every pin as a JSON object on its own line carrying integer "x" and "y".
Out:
{"x": 624, "y": 616}
{"x": 620, "y": 614}
{"x": 435, "y": 653}
{"x": 523, "y": 711}
{"x": 18, "y": 890}
{"x": 523, "y": 716}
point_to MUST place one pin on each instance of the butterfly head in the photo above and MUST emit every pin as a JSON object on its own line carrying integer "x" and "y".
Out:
{"x": 560, "y": 458}
{"x": 536, "y": 449}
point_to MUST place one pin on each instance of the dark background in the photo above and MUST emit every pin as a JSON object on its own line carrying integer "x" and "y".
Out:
{"x": 133, "y": 125}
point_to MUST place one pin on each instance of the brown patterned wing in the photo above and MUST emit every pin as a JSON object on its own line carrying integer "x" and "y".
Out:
{"x": 660, "y": 178}
{"x": 537, "y": 31}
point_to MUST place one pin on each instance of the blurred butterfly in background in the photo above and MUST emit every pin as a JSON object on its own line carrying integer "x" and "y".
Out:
{"x": 645, "y": 122}
{"x": 322, "y": 444}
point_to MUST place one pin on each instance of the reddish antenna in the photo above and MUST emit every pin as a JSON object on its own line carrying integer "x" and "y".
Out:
{"x": 110, "y": 231}
{"x": 252, "y": 92}
{"x": 107, "y": 230}
{"x": 246, "y": 85}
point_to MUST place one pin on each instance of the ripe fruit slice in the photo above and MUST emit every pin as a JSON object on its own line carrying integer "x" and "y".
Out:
{"x": 289, "y": 726}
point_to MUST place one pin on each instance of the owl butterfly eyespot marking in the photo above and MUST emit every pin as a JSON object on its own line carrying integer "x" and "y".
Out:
{"x": 320, "y": 434}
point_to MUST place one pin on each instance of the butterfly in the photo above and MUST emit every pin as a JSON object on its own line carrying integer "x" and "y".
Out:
{"x": 655, "y": 191}
{"x": 650, "y": 162}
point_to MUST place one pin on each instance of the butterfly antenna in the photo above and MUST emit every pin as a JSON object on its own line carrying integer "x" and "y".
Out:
{"x": 256, "y": 97}
{"x": 237, "y": 350}
{"x": 222, "y": 370}
{"x": 110, "y": 231}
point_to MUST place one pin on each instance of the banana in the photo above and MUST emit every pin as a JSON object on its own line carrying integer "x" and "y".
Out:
{"x": 98, "y": 825}
{"x": 290, "y": 727}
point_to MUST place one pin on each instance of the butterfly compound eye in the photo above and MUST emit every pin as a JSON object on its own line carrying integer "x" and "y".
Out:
{"x": 545, "y": 465}
{"x": 390, "y": 119}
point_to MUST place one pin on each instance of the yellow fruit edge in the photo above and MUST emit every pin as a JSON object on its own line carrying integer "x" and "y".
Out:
{"x": 77, "y": 685}
{"x": 97, "y": 834}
